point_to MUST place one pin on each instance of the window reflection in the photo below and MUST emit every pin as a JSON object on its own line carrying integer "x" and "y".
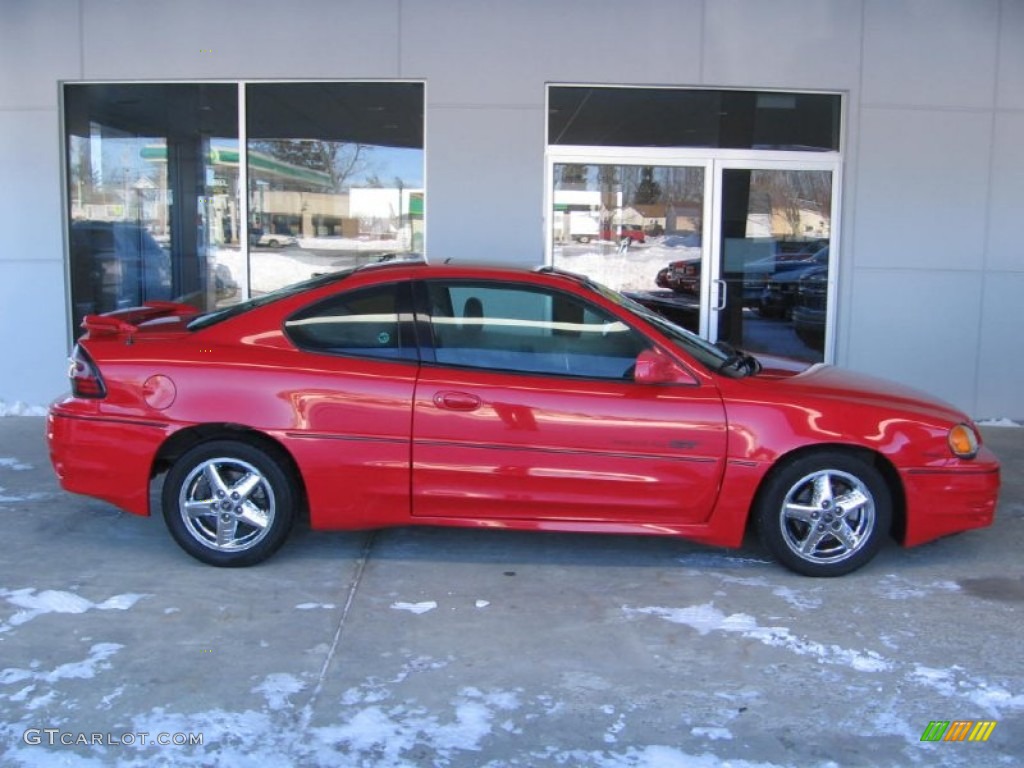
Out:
{"x": 624, "y": 226}
{"x": 335, "y": 177}
{"x": 157, "y": 211}
{"x": 147, "y": 194}
{"x": 776, "y": 228}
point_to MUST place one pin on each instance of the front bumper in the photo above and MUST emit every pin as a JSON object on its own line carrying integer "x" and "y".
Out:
{"x": 941, "y": 501}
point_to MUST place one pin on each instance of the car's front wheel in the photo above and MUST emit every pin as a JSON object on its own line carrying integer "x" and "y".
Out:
{"x": 825, "y": 514}
{"x": 228, "y": 503}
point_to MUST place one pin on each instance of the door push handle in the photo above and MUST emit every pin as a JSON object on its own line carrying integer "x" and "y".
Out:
{"x": 456, "y": 401}
{"x": 719, "y": 289}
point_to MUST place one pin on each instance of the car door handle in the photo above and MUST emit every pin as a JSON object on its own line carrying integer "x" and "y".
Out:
{"x": 456, "y": 401}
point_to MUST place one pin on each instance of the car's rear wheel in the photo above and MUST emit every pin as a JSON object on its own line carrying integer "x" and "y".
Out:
{"x": 825, "y": 514}
{"x": 229, "y": 503}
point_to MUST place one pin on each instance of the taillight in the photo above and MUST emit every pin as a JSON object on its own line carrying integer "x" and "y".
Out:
{"x": 85, "y": 376}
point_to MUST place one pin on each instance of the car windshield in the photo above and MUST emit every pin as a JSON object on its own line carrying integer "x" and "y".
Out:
{"x": 219, "y": 315}
{"x": 717, "y": 358}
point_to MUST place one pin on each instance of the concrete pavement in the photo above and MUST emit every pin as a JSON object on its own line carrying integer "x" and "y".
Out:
{"x": 430, "y": 647}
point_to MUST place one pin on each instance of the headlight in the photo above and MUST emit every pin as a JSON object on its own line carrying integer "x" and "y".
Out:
{"x": 963, "y": 441}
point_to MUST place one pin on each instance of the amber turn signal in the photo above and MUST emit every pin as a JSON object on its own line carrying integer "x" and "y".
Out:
{"x": 963, "y": 441}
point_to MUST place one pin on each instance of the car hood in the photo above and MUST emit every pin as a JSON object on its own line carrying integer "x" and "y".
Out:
{"x": 854, "y": 388}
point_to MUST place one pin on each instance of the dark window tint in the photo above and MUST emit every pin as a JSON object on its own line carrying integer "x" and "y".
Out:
{"x": 365, "y": 323}
{"x": 529, "y": 330}
{"x": 672, "y": 117}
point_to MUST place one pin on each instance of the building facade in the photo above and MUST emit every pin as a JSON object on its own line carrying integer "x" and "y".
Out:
{"x": 837, "y": 180}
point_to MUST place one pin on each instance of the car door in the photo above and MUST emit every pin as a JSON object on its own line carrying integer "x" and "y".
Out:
{"x": 529, "y": 410}
{"x": 350, "y": 395}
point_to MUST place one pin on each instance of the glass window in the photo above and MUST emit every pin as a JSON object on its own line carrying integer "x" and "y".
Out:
{"x": 150, "y": 193}
{"x": 529, "y": 330}
{"x": 625, "y": 225}
{"x": 364, "y": 323}
{"x": 676, "y": 117}
{"x": 776, "y": 226}
{"x": 335, "y": 176}
{"x": 335, "y": 179}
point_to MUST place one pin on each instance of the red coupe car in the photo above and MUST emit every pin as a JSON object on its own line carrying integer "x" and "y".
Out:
{"x": 407, "y": 394}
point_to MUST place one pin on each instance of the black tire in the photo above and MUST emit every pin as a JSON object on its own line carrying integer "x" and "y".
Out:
{"x": 824, "y": 514}
{"x": 229, "y": 503}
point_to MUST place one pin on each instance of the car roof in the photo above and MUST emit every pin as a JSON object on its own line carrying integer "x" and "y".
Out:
{"x": 490, "y": 270}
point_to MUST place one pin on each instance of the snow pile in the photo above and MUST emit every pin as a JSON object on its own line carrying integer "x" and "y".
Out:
{"x": 18, "y": 408}
{"x": 1003, "y": 422}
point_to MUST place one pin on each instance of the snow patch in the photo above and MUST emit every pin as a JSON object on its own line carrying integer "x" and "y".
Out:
{"x": 57, "y": 601}
{"x": 952, "y": 682}
{"x": 1003, "y": 422}
{"x": 313, "y": 606}
{"x": 75, "y": 670}
{"x": 706, "y": 618}
{"x": 4, "y": 499}
{"x": 9, "y": 462}
{"x": 894, "y": 587}
{"x": 656, "y": 756}
{"x": 704, "y": 560}
{"x": 276, "y": 689}
{"x": 715, "y": 734}
{"x": 417, "y": 608}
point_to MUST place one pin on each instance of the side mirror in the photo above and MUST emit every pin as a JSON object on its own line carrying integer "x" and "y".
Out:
{"x": 655, "y": 367}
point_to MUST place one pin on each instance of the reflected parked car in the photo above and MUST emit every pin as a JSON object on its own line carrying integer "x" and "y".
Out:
{"x": 116, "y": 264}
{"x": 632, "y": 234}
{"x": 405, "y": 394}
{"x": 779, "y": 293}
{"x": 809, "y": 309}
{"x": 681, "y": 276}
{"x": 276, "y": 240}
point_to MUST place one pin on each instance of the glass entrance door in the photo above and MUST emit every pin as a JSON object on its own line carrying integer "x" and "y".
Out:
{"x": 769, "y": 282}
{"x": 735, "y": 249}
{"x": 639, "y": 229}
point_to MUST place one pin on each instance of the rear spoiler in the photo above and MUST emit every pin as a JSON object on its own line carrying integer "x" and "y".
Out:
{"x": 127, "y": 321}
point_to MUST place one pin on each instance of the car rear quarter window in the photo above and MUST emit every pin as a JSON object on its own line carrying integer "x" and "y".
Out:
{"x": 362, "y": 323}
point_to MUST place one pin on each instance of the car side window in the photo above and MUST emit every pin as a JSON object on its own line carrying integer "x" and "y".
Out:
{"x": 529, "y": 329}
{"x": 364, "y": 323}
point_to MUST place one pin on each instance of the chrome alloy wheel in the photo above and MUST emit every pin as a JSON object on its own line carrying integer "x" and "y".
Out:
{"x": 227, "y": 504}
{"x": 827, "y": 516}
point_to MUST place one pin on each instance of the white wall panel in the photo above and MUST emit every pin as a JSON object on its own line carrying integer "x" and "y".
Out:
{"x": 1011, "y": 56}
{"x": 152, "y": 39}
{"x": 30, "y": 209}
{"x": 1006, "y": 205}
{"x": 919, "y": 328}
{"x": 930, "y": 52}
{"x": 922, "y": 188}
{"x": 39, "y": 43}
{"x": 784, "y": 43}
{"x": 1001, "y": 357}
{"x": 32, "y": 320}
{"x": 485, "y": 174}
{"x": 504, "y": 52}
